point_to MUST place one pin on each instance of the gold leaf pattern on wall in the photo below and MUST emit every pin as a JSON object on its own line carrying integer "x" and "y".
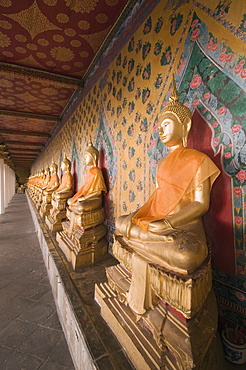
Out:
{"x": 62, "y": 18}
{"x": 101, "y": 18}
{"x": 27, "y": 97}
{"x": 5, "y": 25}
{"x": 111, "y": 2}
{"x": 33, "y": 20}
{"x": 84, "y": 25}
{"x": 85, "y": 6}
{"x": 30, "y": 61}
{"x": 50, "y": 2}
{"x": 94, "y": 39}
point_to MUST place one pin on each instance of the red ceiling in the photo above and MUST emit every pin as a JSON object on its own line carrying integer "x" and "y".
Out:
{"x": 46, "y": 48}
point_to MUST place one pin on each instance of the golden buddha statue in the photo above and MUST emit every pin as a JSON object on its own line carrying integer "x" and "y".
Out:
{"x": 164, "y": 275}
{"x": 85, "y": 214}
{"x": 60, "y": 197}
{"x": 52, "y": 185}
{"x": 46, "y": 179}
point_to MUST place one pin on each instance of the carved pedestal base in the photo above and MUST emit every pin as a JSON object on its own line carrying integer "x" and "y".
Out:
{"x": 178, "y": 330}
{"x": 163, "y": 338}
{"x": 45, "y": 209}
{"x": 54, "y": 220}
{"x": 83, "y": 246}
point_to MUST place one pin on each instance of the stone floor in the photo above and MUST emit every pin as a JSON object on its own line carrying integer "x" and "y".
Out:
{"x": 30, "y": 333}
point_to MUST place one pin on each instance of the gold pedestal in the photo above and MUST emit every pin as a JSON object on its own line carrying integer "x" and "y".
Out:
{"x": 83, "y": 242}
{"x": 46, "y": 205}
{"x": 179, "y": 332}
{"x": 57, "y": 215}
{"x": 83, "y": 246}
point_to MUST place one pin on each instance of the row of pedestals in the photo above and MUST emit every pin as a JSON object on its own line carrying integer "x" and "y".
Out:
{"x": 82, "y": 236}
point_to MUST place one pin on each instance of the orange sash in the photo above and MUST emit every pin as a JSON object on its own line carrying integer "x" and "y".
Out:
{"x": 177, "y": 176}
{"x": 54, "y": 178}
{"x": 94, "y": 182}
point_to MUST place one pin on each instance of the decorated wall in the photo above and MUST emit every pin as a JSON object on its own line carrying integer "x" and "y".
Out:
{"x": 203, "y": 44}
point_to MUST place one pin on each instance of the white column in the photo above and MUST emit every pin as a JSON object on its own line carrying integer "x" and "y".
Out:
{"x": 2, "y": 207}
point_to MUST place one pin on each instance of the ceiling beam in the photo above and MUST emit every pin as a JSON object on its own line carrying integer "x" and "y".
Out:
{"x": 39, "y": 75}
{"x": 45, "y": 117}
{"x": 23, "y": 149}
{"x": 22, "y": 143}
{"x": 25, "y": 133}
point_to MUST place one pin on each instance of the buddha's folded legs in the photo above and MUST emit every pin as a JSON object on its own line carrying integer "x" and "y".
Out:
{"x": 86, "y": 205}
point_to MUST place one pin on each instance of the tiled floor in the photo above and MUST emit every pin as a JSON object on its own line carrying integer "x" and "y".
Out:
{"x": 30, "y": 333}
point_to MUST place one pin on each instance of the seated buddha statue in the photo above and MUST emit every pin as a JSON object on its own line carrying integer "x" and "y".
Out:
{"x": 168, "y": 230}
{"x": 82, "y": 239}
{"x": 89, "y": 197}
{"x": 65, "y": 190}
{"x": 46, "y": 179}
{"x": 53, "y": 183}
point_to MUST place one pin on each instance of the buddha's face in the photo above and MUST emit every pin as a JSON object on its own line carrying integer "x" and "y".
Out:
{"x": 63, "y": 166}
{"x": 88, "y": 159}
{"x": 170, "y": 131}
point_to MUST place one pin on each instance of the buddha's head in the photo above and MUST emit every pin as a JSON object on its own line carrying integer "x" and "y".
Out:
{"x": 53, "y": 168}
{"x": 47, "y": 171}
{"x": 178, "y": 115}
{"x": 66, "y": 164}
{"x": 91, "y": 156}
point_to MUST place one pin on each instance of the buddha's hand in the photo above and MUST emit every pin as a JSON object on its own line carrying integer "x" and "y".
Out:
{"x": 81, "y": 199}
{"x": 164, "y": 227}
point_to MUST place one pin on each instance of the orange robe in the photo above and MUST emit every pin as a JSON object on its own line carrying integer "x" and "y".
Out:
{"x": 177, "y": 176}
{"x": 94, "y": 183}
{"x": 54, "y": 179}
{"x": 66, "y": 178}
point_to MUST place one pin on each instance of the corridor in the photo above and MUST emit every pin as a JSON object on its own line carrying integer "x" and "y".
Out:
{"x": 30, "y": 333}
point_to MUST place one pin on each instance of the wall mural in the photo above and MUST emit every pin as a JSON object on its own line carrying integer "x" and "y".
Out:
{"x": 202, "y": 43}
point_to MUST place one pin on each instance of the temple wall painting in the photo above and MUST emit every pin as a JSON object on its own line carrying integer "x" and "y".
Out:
{"x": 203, "y": 44}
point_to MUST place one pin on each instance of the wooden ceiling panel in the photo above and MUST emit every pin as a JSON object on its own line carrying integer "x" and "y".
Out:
{"x": 46, "y": 48}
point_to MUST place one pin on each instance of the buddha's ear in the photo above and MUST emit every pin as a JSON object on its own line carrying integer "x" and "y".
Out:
{"x": 186, "y": 129}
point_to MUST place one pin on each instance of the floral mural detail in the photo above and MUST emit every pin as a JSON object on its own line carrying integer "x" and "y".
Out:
{"x": 139, "y": 186}
{"x": 158, "y": 81}
{"x": 131, "y": 152}
{"x": 124, "y": 144}
{"x": 146, "y": 49}
{"x": 131, "y": 63}
{"x": 119, "y": 136}
{"x": 139, "y": 46}
{"x": 132, "y": 175}
{"x": 139, "y": 162}
{"x": 158, "y": 25}
{"x": 158, "y": 47}
{"x": 145, "y": 95}
{"x": 124, "y": 166}
{"x": 150, "y": 107}
{"x": 125, "y": 185}
{"x": 144, "y": 125}
{"x": 222, "y": 8}
{"x": 124, "y": 206}
{"x": 119, "y": 76}
{"x": 131, "y": 84}
{"x": 124, "y": 63}
{"x": 148, "y": 26}
{"x": 175, "y": 22}
{"x": 139, "y": 140}
{"x": 146, "y": 72}
{"x": 131, "y": 106}
{"x": 119, "y": 95}
{"x": 123, "y": 121}
{"x": 132, "y": 196}
{"x": 131, "y": 45}
{"x": 139, "y": 70}
{"x": 124, "y": 103}
{"x": 119, "y": 111}
{"x": 137, "y": 93}
{"x": 166, "y": 56}
{"x": 130, "y": 130}
{"x": 137, "y": 117}
{"x": 124, "y": 81}
{"x": 243, "y": 24}
{"x": 195, "y": 29}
